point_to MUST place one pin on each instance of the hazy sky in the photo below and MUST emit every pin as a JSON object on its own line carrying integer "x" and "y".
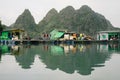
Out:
{"x": 11, "y": 9}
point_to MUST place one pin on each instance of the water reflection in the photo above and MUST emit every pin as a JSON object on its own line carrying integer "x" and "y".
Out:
{"x": 108, "y": 48}
{"x": 0, "y": 54}
{"x": 26, "y": 57}
{"x": 84, "y": 59}
{"x": 5, "y": 49}
{"x": 68, "y": 58}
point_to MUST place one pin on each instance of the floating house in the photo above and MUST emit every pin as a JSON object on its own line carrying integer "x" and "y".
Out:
{"x": 108, "y": 35}
{"x": 11, "y": 36}
{"x": 62, "y": 35}
{"x": 70, "y": 36}
{"x": 56, "y": 35}
{"x": 15, "y": 34}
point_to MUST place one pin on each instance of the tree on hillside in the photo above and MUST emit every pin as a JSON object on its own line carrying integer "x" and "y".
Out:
{"x": 2, "y": 27}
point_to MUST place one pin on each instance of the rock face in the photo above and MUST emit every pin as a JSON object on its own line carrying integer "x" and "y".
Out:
{"x": 88, "y": 21}
{"x": 49, "y": 21}
{"x": 81, "y": 20}
{"x": 25, "y": 21}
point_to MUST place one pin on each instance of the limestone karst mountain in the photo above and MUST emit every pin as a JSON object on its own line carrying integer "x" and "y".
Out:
{"x": 83, "y": 20}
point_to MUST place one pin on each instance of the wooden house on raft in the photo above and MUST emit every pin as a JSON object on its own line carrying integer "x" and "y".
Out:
{"x": 108, "y": 35}
{"x": 62, "y": 35}
{"x": 11, "y": 36}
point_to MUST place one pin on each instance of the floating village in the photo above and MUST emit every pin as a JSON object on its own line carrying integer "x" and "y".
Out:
{"x": 69, "y": 44}
{"x": 18, "y": 36}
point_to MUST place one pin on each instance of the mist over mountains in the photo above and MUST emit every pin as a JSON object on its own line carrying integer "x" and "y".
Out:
{"x": 83, "y": 20}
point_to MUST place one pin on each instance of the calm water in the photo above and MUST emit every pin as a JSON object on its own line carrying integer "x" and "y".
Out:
{"x": 60, "y": 62}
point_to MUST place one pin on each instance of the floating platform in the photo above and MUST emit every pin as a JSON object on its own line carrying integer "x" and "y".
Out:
{"x": 36, "y": 42}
